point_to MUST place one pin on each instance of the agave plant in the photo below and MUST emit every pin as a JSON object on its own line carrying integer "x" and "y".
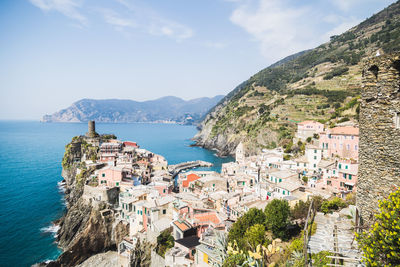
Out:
{"x": 221, "y": 248}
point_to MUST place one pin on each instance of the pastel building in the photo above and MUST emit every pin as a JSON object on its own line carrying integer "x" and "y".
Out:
{"x": 113, "y": 176}
{"x": 307, "y": 129}
{"x": 340, "y": 141}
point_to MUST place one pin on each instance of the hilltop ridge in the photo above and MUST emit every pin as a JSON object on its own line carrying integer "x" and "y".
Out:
{"x": 165, "y": 109}
{"x": 321, "y": 84}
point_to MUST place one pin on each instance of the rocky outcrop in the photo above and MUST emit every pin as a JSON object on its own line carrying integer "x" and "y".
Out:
{"x": 107, "y": 259}
{"x": 85, "y": 230}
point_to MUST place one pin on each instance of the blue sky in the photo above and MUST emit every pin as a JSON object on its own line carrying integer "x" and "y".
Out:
{"x": 55, "y": 52}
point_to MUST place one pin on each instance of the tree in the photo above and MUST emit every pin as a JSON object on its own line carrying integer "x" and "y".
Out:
{"x": 381, "y": 244}
{"x": 277, "y": 214}
{"x": 238, "y": 229}
{"x": 300, "y": 210}
{"x": 141, "y": 254}
{"x": 165, "y": 241}
{"x": 255, "y": 236}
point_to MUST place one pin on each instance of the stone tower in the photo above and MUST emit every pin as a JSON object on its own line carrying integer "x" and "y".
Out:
{"x": 91, "y": 129}
{"x": 379, "y": 169}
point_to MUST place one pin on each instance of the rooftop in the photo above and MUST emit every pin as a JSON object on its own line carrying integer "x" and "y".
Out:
{"x": 189, "y": 242}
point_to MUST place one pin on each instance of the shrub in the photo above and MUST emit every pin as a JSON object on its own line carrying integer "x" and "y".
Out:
{"x": 300, "y": 210}
{"x": 381, "y": 244}
{"x": 334, "y": 204}
{"x": 165, "y": 241}
{"x": 238, "y": 229}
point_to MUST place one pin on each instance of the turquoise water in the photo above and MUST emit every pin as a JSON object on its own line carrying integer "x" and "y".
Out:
{"x": 30, "y": 167}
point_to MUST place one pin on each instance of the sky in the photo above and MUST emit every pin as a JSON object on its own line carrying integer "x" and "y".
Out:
{"x": 56, "y": 52}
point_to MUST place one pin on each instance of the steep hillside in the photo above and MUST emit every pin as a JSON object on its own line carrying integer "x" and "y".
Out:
{"x": 320, "y": 84}
{"x": 115, "y": 110}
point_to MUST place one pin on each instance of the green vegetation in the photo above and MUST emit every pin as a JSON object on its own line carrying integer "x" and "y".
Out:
{"x": 333, "y": 96}
{"x": 255, "y": 235}
{"x": 277, "y": 218}
{"x": 336, "y": 72}
{"x": 252, "y": 217}
{"x": 312, "y": 85}
{"x": 332, "y": 205}
{"x": 382, "y": 242}
{"x": 165, "y": 241}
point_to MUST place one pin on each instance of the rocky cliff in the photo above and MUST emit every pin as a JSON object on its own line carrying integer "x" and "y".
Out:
{"x": 84, "y": 229}
{"x": 320, "y": 84}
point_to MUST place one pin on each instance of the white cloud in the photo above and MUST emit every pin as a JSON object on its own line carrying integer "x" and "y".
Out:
{"x": 280, "y": 29}
{"x": 113, "y": 18}
{"x": 153, "y": 23}
{"x": 284, "y": 27}
{"x": 68, "y": 8}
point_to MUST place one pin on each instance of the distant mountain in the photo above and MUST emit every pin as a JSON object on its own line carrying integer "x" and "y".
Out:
{"x": 165, "y": 109}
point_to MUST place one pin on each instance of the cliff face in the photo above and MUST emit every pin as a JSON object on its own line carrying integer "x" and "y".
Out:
{"x": 321, "y": 84}
{"x": 84, "y": 231}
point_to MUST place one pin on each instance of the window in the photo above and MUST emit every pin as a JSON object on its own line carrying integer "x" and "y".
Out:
{"x": 344, "y": 175}
{"x": 163, "y": 190}
{"x": 326, "y": 145}
{"x": 340, "y": 166}
{"x": 328, "y": 182}
{"x": 283, "y": 192}
{"x": 315, "y": 157}
{"x": 304, "y": 164}
{"x": 298, "y": 164}
{"x": 350, "y": 177}
{"x": 355, "y": 147}
{"x": 103, "y": 175}
{"x": 348, "y": 147}
{"x": 117, "y": 183}
{"x": 280, "y": 180}
{"x": 164, "y": 212}
{"x": 315, "y": 165}
{"x": 347, "y": 166}
{"x": 213, "y": 185}
{"x": 315, "y": 151}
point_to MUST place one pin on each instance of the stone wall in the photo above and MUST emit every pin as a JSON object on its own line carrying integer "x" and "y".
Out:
{"x": 97, "y": 195}
{"x": 379, "y": 169}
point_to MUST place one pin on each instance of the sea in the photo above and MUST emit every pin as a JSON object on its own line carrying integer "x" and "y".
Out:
{"x": 30, "y": 172}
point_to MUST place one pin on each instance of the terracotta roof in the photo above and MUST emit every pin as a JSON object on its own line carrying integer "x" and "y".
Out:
{"x": 207, "y": 217}
{"x": 345, "y": 130}
{"x": 190, "y": 178}
{"x": 182, "y": 225}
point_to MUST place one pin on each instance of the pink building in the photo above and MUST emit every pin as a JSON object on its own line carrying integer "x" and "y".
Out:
{"x": 340, "y": 141}
{"x": 343, "y": 180}
{"x": 307, "y": 129}
{"x": 112, "y": 176}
